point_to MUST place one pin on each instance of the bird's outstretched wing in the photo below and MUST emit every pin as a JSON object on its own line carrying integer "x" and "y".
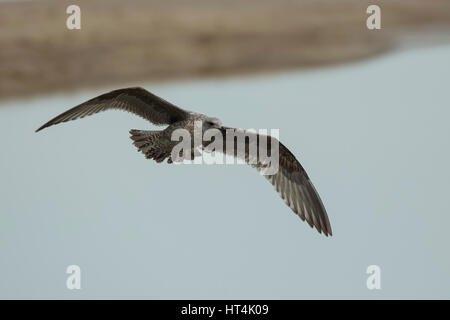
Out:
{"x": 290, "y": 181}
{"x": 136, "y": 100}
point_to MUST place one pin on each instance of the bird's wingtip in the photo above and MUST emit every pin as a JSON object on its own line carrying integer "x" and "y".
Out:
{"x": 45, "y": 125}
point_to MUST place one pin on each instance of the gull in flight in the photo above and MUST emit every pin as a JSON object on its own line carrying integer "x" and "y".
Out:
{"x": 290, "y": 181}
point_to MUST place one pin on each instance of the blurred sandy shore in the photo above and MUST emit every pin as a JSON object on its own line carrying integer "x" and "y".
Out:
{"x": 145, "y": 40}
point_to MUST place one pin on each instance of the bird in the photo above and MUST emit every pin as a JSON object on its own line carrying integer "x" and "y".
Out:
{"x": 290, "y": 181}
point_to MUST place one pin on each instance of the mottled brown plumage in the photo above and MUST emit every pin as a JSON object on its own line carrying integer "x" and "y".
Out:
{"x": 291, "y": 180}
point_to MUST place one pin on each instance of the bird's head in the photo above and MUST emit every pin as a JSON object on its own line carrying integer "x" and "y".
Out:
{"x": 210, "y": 123}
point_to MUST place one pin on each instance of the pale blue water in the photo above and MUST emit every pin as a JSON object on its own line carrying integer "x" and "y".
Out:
{"x": 374, "y": 137}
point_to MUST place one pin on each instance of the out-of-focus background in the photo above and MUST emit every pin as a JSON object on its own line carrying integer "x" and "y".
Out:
{"x": 139, "y": 40}
{"x": 365, "y": 111}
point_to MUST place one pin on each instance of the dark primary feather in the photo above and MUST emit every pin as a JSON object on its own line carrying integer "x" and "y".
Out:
{"x": 291, "y": 182}
{"x": 136, "y": 100}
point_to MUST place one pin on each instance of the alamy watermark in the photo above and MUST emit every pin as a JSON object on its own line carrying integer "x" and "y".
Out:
{"x": 374, "y": 280}
{"x": 373, "y": 22}
{"x": 74, "y": 19}
{"x": 227, "y": 146}
{"x": 74, "y": 279}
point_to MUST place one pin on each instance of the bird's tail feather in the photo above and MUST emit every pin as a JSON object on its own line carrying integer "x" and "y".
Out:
{"x": 148, "y": 143}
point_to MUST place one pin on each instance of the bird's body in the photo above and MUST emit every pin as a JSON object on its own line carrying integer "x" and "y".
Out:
{"x": 290, "y": 181}
{"x": 159, "y": 144}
